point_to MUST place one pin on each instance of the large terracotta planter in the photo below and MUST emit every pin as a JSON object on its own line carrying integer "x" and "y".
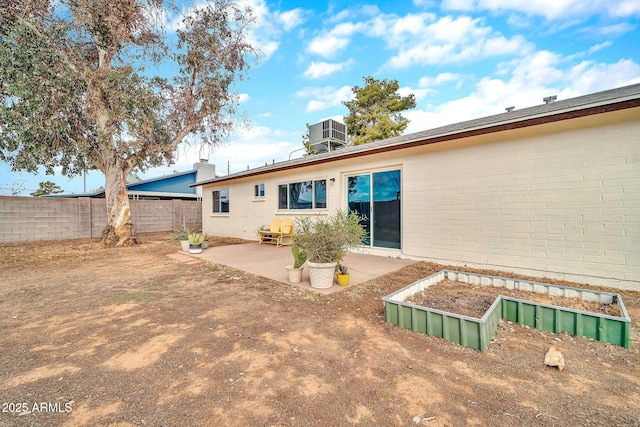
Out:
{"x": 321, "y": 274}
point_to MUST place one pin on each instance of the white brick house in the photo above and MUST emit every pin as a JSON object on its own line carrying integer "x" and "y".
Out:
{"x": 552, "y": 190}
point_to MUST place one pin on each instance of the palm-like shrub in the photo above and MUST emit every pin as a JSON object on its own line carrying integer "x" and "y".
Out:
{"x": 196, "y": 239}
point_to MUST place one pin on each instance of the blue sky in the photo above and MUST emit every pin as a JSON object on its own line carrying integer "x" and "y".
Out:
{"x": 462, "y": 59}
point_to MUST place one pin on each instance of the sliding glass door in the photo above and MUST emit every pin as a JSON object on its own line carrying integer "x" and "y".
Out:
{"x": 377, "y": 196}
{"x": 359, "y": 200}
{"x": 386, "y": 209}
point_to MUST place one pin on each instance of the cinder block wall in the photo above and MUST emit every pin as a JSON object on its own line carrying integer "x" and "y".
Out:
{"x": 558, "y": 201}
{"x": 35, "y": 218}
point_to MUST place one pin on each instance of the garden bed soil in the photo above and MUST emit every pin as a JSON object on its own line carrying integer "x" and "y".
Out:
{"x": 130, "y": 337}
{"x": 474, "y": 300}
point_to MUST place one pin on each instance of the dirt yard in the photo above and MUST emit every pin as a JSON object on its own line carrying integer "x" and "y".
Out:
{"x": 130, "y": 337}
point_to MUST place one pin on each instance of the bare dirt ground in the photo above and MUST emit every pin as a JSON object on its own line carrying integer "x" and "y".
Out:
{"x": 130, "y": 337}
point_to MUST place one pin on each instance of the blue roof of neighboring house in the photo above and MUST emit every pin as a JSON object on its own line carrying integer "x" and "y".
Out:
{"x": 174, "y": 184}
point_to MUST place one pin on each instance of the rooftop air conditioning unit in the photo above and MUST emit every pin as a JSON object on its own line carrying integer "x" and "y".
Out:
{"x": 327, "y": 135}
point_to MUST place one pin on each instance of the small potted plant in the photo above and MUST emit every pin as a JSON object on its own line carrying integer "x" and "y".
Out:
{"x": 342, "y": 274}
{"x": 326, "y": 240}
{"x": 182, "y": 235}
{"x": 295, "y": 270}
{"x": 195, "y": 243}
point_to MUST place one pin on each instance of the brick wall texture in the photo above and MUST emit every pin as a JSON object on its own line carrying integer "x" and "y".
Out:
{"x": 35, "y": 218}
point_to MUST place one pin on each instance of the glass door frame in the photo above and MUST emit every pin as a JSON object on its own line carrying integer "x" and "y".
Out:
{"x": 370, "y": 172}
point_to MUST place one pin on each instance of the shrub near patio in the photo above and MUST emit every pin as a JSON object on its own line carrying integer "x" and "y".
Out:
{"x": 326, "y": 240}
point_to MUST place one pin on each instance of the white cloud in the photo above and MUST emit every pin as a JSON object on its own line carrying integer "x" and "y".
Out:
{"x": 462, "y": 5}
{"x": 426, "y": 82}
{"x": 427, "y": 85}
{"x": 590, "y": 76}
{"x": 536, "y": 69}
{"x": 322, "y": 69}
{"x": 624, "y": 8}
{"x": 329, "y": 44}
{"x": 526, "y": 82}
{"x": 243, "y": 97}
{"x": 556, "y": 9}
{"x": 424, "y": 3}
{"x": 266, "y": 47}
{"x": 600, "y": 46}
{"x": 271, "y": 26}
{"x": 422, "y": 39}
{"x": 397, "y": 31}
{"x": 252, "y": 146}
{"x": 290, "y": 19}
{"x": 450, "y": 40}
{"x": 518, "y": 20}
{"x": 340, "y": 16}
{"x": 610, "y": 30}
{"x": 325, "y": 97}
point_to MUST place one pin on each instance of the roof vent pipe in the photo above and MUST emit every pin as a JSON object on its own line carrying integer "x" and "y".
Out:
{"x": 510, "y": 109}
{"x": 549, "y": 99}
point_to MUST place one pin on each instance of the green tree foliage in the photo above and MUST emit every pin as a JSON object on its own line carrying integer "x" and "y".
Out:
{"x": 45, "y": 188}
{"x": 374, "y": 113}
{"x": 109, "y": 85}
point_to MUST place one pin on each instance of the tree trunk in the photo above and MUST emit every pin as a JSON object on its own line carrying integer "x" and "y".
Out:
{"x": 119, "y": 230}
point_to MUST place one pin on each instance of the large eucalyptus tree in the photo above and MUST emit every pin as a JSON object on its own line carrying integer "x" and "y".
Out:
{"x": 117, "y": 85}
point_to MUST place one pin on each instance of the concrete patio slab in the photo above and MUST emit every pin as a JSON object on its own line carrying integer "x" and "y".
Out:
{"x": 271, "y": 262}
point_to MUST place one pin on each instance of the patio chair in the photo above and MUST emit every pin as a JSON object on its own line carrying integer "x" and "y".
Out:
{"x": 286, "y": 228}
{"x": 271, "y": 233}
{"x": 276, "y": 231}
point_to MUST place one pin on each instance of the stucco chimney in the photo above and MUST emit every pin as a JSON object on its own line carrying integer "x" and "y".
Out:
{"x": 204, "y": 170}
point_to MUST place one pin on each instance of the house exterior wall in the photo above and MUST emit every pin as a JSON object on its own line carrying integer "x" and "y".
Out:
{"x": 247, "y": 213}
{"x": 24, "y": 219}
{"x": 559, "y": 200}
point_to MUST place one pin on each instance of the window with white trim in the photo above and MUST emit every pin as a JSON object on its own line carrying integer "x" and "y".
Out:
{"x": 221, "y": 200}
{"x": 303, "y": 195}
{"x": 258, "y": 190}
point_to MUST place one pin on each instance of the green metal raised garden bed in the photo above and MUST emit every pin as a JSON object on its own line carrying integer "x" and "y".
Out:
{"x": 478, "y": 333}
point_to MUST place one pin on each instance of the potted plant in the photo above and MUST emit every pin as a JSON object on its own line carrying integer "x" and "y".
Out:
{"x": 326, "y": 240}
{"x": 195, "y": 243}
{"x": 342, "y": 274}
{"x": 295, "y": 270}
{"x": 182, "y": 235}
